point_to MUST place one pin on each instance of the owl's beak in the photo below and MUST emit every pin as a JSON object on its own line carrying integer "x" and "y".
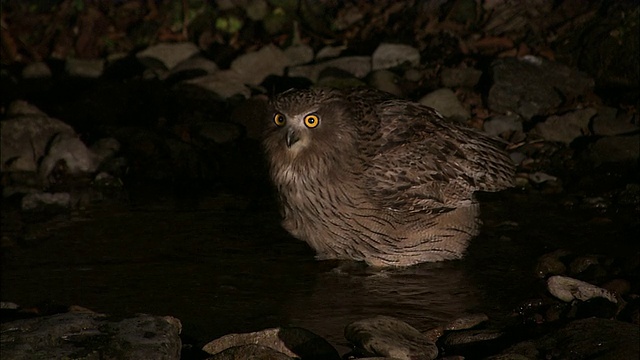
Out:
{"x": 292, "y": 137}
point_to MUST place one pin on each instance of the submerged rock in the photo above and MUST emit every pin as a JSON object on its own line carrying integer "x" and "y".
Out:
{"x": 388, "y": 336}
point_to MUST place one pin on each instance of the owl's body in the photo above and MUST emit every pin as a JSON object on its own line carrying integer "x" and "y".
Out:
{"x": 364, "y": 176}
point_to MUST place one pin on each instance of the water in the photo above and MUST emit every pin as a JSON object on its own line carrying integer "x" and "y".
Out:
{"x": 222, "y": 264}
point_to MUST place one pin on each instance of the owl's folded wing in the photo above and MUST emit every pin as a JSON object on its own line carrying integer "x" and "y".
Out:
{"x": 424, "y": 163}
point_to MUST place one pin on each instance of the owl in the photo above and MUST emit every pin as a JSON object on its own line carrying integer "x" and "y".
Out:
{"x": 362, "y": 175}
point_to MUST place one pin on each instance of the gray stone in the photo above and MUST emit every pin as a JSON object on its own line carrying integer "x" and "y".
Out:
{"x": 85, "y": 68}
{"x": 225, "y": 84}
{"x": 467, "y": 337}
{"x": 199, "y": 63}
{"x": 581, "y": 263}
{"x": 466, "y": 322}
{"x": 389, "y": 55}
{"x": 550, "y": 264}
{"x": 66, "y": 336}
{"x": 568, "y": 289}
{"x": 533, "y": 86}
{"x": 254, "y": 67}
{"x": 460, "y": 77}
{"x": 250, "y": 351}
{"x": 328, "y": 52}
{"x": 566, "y": 128}
{"x": 539, "y": 177}
{"x": 36, "y": 70}
{"x": 21, "y": 107}
{"x": 385, "y": 80}
{"x": 256, "y": 9}
{"x": 105, "y": 149}
{"x": 24, "y": 140}
{"x": 592, "y": 338}
{"x": 501, "y": 124}
{"x": 447, "y": 104}
{"x": 299, "y": 54}
{"x": 358, "y": 66}
{"x": 348, "y": 16}
{"x": 69, "y": 148}
{"x": 291, "y": 341}
{"x": 616, "y": 149}
{"x": 388, "y": 336}
{"x": 608, "y": 124}
{"x": 167, "y": 55}
{"x": 39, "y": 201}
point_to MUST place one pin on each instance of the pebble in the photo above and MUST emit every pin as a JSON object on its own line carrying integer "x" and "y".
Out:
{"x": 466, "y": 322}
{"x": 167, "y": 55}
{"x": 85, "y": 68}
{"x": 447, "y": 103}
{"x": 566, "y": 128}
{"x": 254, "y": 67}
{"x": 615, "y": 149}
{"x": 500, "y": 124}
{"x": 36, "y": 70}
{"x": 460, "y": 77}
{"x": 550, "y": 264}
{"x": 388, "y": 336}
{"x": 358, "y": 66}
{"x": 225, "y": 84}
{"x": 389, "y": 55}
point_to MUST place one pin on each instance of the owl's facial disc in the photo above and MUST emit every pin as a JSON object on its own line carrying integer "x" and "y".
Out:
{"x": 292, "y": 137}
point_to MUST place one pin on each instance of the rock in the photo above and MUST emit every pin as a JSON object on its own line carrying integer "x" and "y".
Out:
{"x": 196, "y": 64}
{"x": 250, "y": 351}
{"x": 220, "y": 132}
{"x": 391, "y": 55}
{"x": 580, "y": 264}
{"x": 501, "y": 124}
{"x": 566, "y": 128}
{"x": 348, "y": 16}
{"x": 447, "y": 104}
{"x": 358, "y": 66}
{"x": 460, "y": 77}
{"x": 77, "y": 158}
{"x": 43, "y": 201}
{"x": 387, "y": 81}
{"x": 85, "y": 68}
{"x": 166, "y": 56}
{"x": 24, "y": 140}
{"x": 290, "y": 341}
{"x": 36, "y": 70}
{"x": 466, "y": 322}
{"x": 608, "y": 123}
{"x": 593, "y": 338}
{"x": 105, "y": 149}
{"x": 299, "y": 54}
{"x": 539, "y": 177}
{"x": 550, "y": 264}
{"x": 388, "y": 336}
{"x": 468, "y": 337}
{"x": 568, "y": 289}
{"x": 533, "y": 86}
{"x": 256, "y": 9}
{"x": 225, "y": 84}
{"x": 67, "y": 335}
{"x": 330, "y": 52}
{"x": 21, "y": 107}
{"x": 616, "y": 149}
{"x": 254, "y": 67}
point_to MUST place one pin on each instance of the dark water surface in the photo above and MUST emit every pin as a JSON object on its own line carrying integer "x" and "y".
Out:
{"x": 222, "y": 264}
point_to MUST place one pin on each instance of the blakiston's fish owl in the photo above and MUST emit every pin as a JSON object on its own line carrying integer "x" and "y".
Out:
{"x": 365, "y": 176}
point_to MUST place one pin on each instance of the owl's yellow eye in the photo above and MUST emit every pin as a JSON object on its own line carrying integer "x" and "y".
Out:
{"x": 311, "y": 121}
{"x": 279, "y": 119}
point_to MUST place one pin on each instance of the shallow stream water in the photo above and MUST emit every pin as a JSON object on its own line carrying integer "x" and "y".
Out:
{"x": 222, "y": 264}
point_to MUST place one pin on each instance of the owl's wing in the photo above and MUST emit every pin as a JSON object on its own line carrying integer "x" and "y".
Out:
{"x": 417, "y": 161}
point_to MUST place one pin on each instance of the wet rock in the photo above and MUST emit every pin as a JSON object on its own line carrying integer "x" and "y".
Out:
{"x": 540, "y": 177}
{"x": 24, "y": 139}
{"x": 466, "y": 322}
{"x": 460, "y": 77}
{"x": 220, "y": 132}
{"x": 385, "y": 80}
{"x": 69, "y": 334}
{"x": 45, "y": 201}
{"x": 533, "y": 86}
{"x": 608, "y": 123}
{"x": 550, "y": 264}
{"x": 447, "y": 104}
{"x": 468, "y": 338}
{"x": 592, "y": 338}
{"x": 36, "y": 70}
{"x": 580, "y": 264}
{"x": 388, "y": 336}
{"x": 166, "y": 56}
{"x": 616, "y": 149}
{"x": 85, "y": 68}
{"x": 503, "y": 124}
{"x": 330, "y": 52}
{"x": 299, "y": 54}
{"x": 566, "y": 128}
{"x": 225, "y": 84}
{"x": 254, "y": 67}
{"x": 358, "y": 66}
{"x": 250, "y": 351}
{"x": 568, "y": 289}
{"x": 389, "y": 55}
{"x": 69, "y": 152}
{"x": 290, "y": 341}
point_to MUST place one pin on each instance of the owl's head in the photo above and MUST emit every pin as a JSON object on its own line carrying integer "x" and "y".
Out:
{"x": 307, "y": 122}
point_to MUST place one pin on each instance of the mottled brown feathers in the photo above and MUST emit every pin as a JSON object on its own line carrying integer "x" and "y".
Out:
{"x": 379, "y": 179}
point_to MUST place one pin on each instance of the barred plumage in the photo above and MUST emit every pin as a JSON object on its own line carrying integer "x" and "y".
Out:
{"x": 365, "y": 176}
